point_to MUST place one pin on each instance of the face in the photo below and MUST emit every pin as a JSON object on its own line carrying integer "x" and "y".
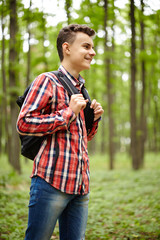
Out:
{"x": 81, "y": 52}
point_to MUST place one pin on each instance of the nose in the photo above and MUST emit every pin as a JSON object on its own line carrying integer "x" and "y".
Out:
{"x": 92, "y": 52}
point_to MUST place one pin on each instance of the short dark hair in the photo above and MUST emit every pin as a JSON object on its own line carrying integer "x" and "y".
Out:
{"x": 68, "y": 34}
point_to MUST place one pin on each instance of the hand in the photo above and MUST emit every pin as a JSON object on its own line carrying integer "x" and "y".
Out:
{"x": 77, "y": 103}
{"x": 98, "y": 110}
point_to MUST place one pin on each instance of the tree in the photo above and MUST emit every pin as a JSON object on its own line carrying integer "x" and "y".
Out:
{"x": 124, "y": 47}
{"x": 68, "y": 5}
{"x": 44, "y": 38}
{"x": 29, "y": 45}
{"x": 134, "y": 143}
{"x": 109, "y": 82}
{"x": 4, "y": 116}
{"x": 142, "y": 124}
{"x": 13, "y": 77}
{"x": 153, "y": 103}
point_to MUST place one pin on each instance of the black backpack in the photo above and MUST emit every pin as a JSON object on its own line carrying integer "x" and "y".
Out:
{"x": 30, "y": 145}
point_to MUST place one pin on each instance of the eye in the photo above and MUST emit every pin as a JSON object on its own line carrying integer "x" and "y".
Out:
{"x": 86, "y": 46}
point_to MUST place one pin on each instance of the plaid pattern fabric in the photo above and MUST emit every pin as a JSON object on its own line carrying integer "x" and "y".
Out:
{"x": 46, "y": 112}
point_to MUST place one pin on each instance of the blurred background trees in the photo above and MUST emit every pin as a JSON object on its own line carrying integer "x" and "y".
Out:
{"x": 124, "y": 76}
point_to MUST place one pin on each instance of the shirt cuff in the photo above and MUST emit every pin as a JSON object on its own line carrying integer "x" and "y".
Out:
{"x": 68, "y": 116}
{"x": 97, "y": 121}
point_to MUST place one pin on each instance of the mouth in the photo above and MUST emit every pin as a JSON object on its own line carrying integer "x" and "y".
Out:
{"x": 88, "y": 59}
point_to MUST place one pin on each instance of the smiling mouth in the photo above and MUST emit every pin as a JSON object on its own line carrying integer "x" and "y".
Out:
{"x": 89, "y": 59}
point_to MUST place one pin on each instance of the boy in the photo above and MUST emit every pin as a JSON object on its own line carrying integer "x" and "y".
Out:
{"x": 60, "y": 176}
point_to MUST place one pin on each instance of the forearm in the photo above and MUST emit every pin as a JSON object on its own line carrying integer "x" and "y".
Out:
{"x": 39, "y": 115}
{"x": 39, "y": 125}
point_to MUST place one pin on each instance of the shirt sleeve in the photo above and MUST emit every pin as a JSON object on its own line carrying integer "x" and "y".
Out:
{"x": 34, "y": 119}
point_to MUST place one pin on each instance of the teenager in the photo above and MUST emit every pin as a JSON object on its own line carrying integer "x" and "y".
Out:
{"x": 60, "y": 177}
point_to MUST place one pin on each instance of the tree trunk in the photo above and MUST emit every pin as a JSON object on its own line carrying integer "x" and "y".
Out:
{"x": 3, "y": 106}
{"x": 103, "y": 137}
{"x": 156, "y": 128}
{"x": 43, "y": 22}
{"x": 133, "y": 119}
{"x": 68, "y": 5}
{"x": 142, "y": 129}
{"x": 5, "y": 121}
{"x": 29, "y": 50}
{"x": 29, "y": 46}
{"x": 110, "y": 95}
{"x": 154, "y": 136}
{"x": 13, "y": 77}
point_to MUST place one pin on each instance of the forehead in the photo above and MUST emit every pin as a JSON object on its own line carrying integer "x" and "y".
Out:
{"x": 82, "y": 38}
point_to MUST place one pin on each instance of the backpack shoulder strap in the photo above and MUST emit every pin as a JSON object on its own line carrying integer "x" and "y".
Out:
{"x": 71, "y": 89}
{"x": 85, "y": 93}
{"x": 69, "y": 86}
{"x": 88, "y": 112}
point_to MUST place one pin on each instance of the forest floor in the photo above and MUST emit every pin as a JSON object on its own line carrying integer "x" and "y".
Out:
{"x": 124, "y": 204}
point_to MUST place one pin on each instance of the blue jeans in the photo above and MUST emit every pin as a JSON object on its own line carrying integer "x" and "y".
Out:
{"x": 47, "y": 205}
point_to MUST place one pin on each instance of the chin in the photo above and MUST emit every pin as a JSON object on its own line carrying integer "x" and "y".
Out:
{"x": 87, "y": 66}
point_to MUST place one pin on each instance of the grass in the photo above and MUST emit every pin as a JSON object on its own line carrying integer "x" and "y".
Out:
{"x": 124, "y": 204}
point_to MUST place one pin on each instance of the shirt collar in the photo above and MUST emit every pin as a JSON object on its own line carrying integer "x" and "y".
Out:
{"x": 80, "y": 81}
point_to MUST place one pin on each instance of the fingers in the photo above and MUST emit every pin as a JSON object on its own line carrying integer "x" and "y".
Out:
{"x": 93, "y": 103}
{"x": 79, "y": 100}
{"x": 96, "y": 106}
{"x": 98, "y": 110}
{"x": 86, "y": 100}
{"x": 77, "y": 103}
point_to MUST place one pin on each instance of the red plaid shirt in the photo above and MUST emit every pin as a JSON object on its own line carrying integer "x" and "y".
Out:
{"x": 63, "y": 158}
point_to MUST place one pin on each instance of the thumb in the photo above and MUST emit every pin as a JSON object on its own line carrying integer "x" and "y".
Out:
{"x": 86, "y": 101}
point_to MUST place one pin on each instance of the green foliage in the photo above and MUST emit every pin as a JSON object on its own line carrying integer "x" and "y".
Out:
{"x": 44, "y": 57}
{"x": 124, "y": 204}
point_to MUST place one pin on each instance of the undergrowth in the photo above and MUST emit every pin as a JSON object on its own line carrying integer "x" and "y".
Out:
{"x": 124, "y": 204}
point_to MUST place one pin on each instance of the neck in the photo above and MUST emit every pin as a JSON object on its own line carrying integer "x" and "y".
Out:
{"x": 70, "y": 69}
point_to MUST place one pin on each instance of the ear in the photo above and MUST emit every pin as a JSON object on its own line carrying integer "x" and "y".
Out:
{"x": 66, "y": 48}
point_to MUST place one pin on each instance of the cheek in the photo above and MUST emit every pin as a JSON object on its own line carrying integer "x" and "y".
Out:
{"x": 77, "y": 56}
